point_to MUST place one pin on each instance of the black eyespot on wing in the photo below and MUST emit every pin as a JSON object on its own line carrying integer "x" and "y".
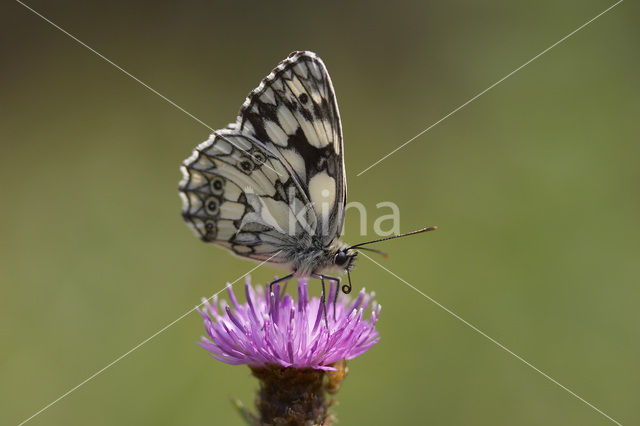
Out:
{"x": 246, "y": 165}
{"x": 211, "y": 230}
{"x": 217, "y": 185}
{"x": 303, "y": 98}
{"x": 258, "y": 158}
{"x": 212, "y": 206}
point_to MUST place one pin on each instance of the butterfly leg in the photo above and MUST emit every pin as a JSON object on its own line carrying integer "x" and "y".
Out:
{"x": 279, "y": 280}
{"x": 335, "y": 300}
{"x": 322, "y": 296}
{"x": 335, "y": 296}
{"x": 324, "y": 302}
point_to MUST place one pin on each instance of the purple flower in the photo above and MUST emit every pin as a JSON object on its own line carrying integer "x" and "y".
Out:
{"x": 267, "y": 331}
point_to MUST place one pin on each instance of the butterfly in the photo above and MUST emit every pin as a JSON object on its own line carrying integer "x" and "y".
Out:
{"x": 272, "y": 185}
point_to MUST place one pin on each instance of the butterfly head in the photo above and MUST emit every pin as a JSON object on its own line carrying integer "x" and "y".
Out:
{"x": 345, "y": 258}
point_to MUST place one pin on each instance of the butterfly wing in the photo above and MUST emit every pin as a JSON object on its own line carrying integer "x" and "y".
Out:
{"x": 295, "y": 114}
{"x": 237, "y": 194}
{"x": 266, "y": 184}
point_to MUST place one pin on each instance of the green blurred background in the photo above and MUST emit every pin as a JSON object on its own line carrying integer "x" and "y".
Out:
{"x": 534, "y": 187}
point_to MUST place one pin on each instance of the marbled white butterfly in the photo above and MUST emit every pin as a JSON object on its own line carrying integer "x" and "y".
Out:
{"x": 272, "y": 185}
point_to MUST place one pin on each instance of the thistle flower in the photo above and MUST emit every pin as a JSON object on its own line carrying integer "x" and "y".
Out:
{"x": 291, "y": 346}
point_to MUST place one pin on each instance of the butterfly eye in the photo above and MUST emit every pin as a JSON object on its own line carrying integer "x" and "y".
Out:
{"x": 217, "y": 185}
{"x": 341, "y": 258}
{"x": 212, "y": 206}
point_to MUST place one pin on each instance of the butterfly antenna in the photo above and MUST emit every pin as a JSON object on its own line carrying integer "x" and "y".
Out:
{"x": 380, "y": 252}
{"x": 419, "y": 231}
{"x": 346, "y": 289}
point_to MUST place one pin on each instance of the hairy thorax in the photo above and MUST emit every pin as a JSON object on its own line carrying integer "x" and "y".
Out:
{"x": 310, "y": 257}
